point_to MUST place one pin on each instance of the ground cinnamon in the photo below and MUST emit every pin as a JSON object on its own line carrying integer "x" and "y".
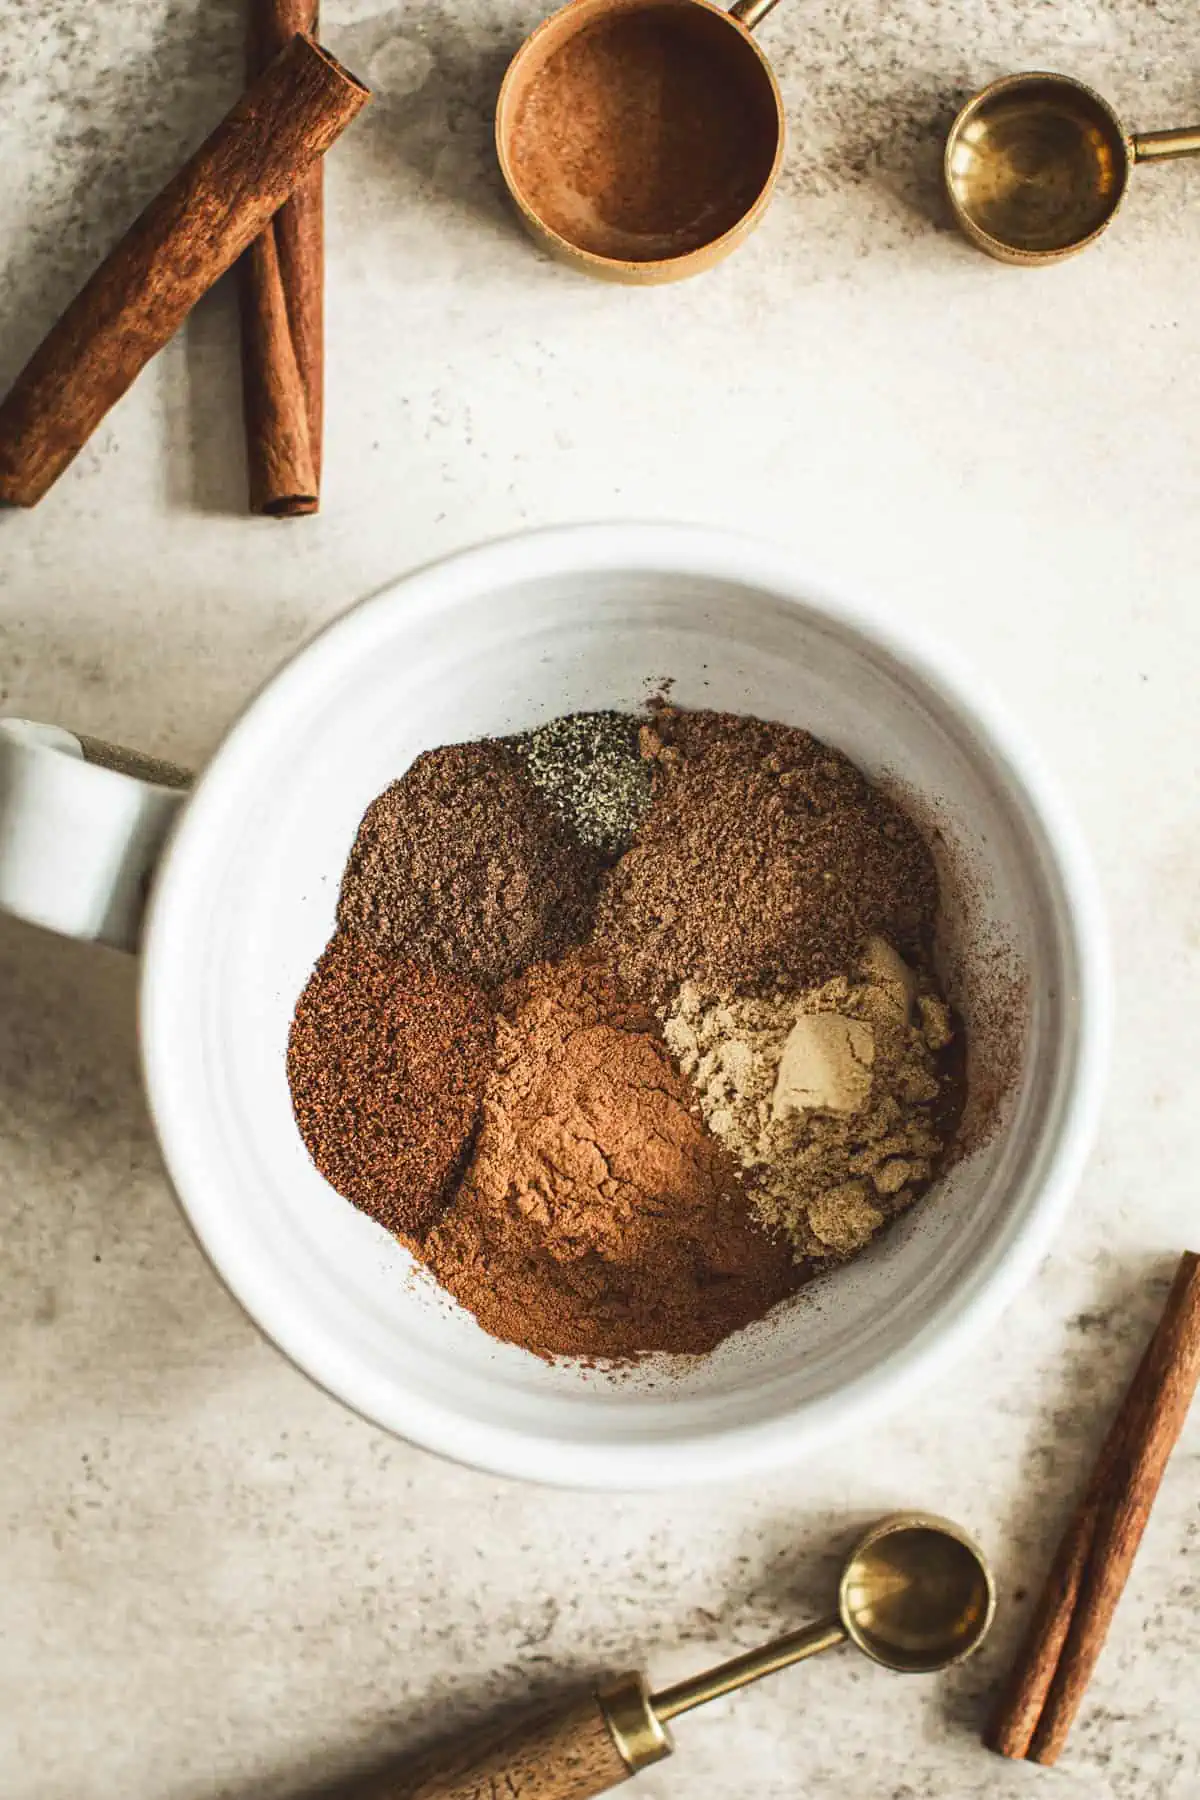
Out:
{"x": 646, "y": 134}
{"x": 598, "y": 1218}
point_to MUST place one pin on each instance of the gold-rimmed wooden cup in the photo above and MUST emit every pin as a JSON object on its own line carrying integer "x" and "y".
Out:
{"x": 1037, "y": 166}
{"x": 641, "y": 139}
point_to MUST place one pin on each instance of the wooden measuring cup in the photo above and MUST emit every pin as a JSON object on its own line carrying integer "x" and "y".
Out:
{"x": 641, "y": 139}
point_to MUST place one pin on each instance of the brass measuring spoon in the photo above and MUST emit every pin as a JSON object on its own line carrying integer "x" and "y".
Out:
{"x": 915, "y": 1595}
{"x": 1037, "y": 165}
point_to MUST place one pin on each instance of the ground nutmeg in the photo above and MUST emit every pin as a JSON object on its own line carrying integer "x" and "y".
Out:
{"x": 463, "y": 864}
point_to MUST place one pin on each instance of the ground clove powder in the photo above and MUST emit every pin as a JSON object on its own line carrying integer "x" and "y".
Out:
{"x": 386, "y": 1063}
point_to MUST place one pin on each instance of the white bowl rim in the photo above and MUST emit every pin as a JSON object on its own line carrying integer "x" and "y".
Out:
{"x": 724, "y": 1453}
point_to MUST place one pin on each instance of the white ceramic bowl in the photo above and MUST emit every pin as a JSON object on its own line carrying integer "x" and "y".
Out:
{"x": 495, "y": 640}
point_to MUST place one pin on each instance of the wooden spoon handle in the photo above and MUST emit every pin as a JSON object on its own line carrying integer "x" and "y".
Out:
{"x": 566, "y": 1754}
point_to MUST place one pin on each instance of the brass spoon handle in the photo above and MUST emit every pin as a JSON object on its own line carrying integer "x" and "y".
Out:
{"x": 740, "y": 1670}
{"x": 1157, "y": 146}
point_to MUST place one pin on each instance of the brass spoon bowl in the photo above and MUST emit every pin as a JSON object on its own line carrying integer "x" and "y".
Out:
{"x": 1037, "y": 165}
{"x": 916, "y": 1594}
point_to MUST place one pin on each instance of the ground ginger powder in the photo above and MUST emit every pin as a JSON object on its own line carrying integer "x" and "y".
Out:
{"x": 826, "y": 1098}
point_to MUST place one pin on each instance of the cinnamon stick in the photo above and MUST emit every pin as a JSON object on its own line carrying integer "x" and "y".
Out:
{"x": 282, "y": 280}
{"x": 186, "y": 238}
{"x": 1096, "y": 1554}
{"x": 1016, "y": 1719}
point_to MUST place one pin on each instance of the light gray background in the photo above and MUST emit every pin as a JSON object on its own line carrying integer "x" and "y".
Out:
{"x": 215, "y": 1582}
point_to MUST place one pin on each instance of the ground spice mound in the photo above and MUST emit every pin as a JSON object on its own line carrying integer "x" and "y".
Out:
{"x": 386, "y": 1063}
{"x": 464, "y": 865}
{"x": 598, "y": 1218}
{"x": 835, "y": 1102}
{"x": 765, "y": 860}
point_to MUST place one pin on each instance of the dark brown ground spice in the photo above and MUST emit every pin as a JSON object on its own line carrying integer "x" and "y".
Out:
{"x": 598, "y": 1217}
{"x": 462, "y": 864}
{"x": 765, "y": 860}
{"x": 386, "y": 1063}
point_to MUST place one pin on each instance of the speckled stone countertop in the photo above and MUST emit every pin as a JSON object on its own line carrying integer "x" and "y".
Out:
{"x": 216, "y": 1583}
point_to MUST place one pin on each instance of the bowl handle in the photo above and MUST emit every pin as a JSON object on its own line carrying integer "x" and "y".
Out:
{"x": 81, "y": 828}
